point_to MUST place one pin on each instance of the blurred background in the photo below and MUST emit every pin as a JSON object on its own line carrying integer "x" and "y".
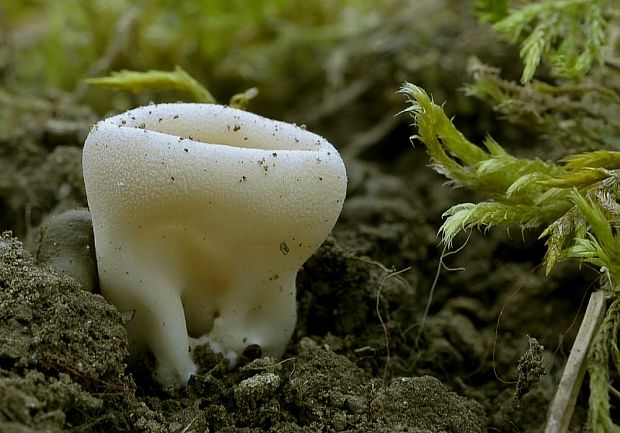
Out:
{"x": 335, "y": 66}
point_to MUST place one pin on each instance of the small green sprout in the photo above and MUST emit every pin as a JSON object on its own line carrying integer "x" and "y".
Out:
{"x": 178, "y": 80}
{"x": 137, "y": 82}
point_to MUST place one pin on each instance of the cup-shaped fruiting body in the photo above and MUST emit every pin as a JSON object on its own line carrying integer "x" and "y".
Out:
{"x": 202, "y": 216}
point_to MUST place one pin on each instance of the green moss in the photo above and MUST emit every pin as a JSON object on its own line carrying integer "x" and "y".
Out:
{"x": 573, "y": 200}
{"x": 138, "y": 82}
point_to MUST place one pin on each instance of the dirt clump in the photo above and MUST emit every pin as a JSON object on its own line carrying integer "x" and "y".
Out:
{"x": 62, "y": 350}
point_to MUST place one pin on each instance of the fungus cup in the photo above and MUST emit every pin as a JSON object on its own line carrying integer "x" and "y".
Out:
{"x": 202, "y": 216}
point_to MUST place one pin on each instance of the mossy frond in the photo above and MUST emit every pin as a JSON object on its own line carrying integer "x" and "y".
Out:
{"x": 137, "y": 82}
{"x": 575, "y": 117}
{"x": 603, "y": 350}
{"x": 525, "y": 192}
{"x": 574, "y": 200}
{"x": 491, "y": 11}
{"x": 490, "y": 169}
{"x": 560, "y": 236}
{"x": 601, "y": 245}
{"x": 598, "y": 158}
{"x": 569, "y": 33}
{"x": 465, "y": 216}
{"x": 582, "y": 177}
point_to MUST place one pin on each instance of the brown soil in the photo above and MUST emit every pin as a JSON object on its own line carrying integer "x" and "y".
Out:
{"x": 363, "y": 357}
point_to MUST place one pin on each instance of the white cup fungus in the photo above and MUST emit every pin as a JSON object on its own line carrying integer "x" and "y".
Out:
{"x": 202, "y": 216}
